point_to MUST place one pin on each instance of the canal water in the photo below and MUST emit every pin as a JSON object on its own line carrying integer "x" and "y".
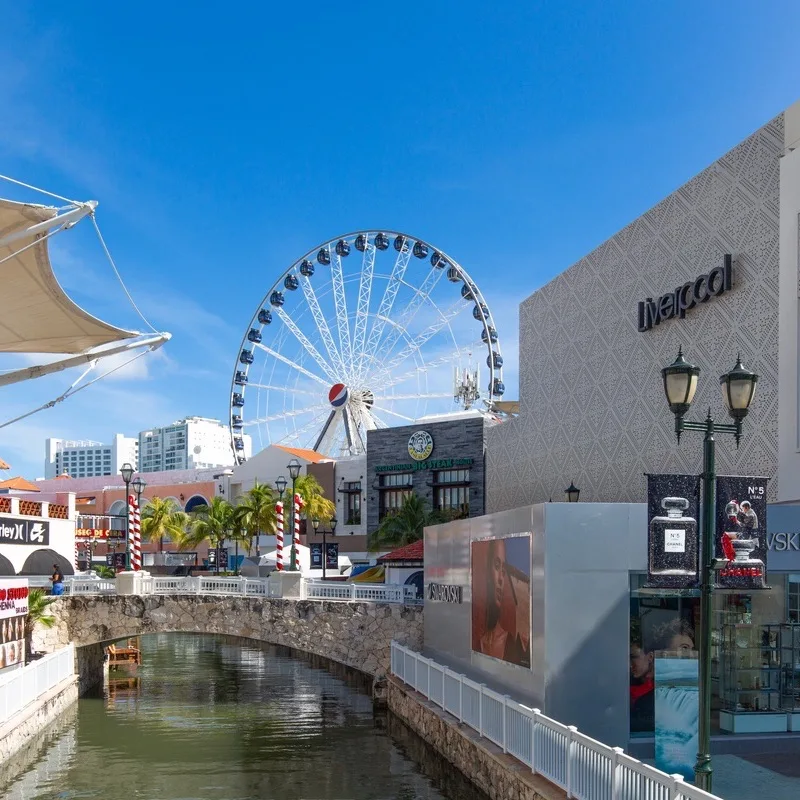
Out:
{"x": 205, "y": 718}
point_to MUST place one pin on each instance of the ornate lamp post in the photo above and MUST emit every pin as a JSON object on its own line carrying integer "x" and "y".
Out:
{"x": 572, "y": 494}
{"x": 138, "y": 486}
{"x": 738, "y": 388}
{"x": 315, "y": 526}
{"x": 126, "y": 471}
{"x": 294, "y": 473}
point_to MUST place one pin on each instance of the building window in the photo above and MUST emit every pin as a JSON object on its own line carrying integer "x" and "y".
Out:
{"x": 352, "y": 493}
{"x": 793, "y": 599}
{"x": 451, "y": 491}
{"x": 393, "y": 488}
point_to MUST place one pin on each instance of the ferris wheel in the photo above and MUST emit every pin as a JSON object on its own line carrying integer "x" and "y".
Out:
{"x": 367, "y": 330}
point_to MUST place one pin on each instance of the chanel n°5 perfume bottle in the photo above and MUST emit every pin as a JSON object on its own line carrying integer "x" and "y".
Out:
{"x": 673, "y": 546}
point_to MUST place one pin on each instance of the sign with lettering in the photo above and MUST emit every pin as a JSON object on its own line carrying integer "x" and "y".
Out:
{"x": 13, "y": 597}
{"x": 420, "y": 445}
{"x": 783, "y": 541}
{"x": 444, "y": 592}
{"x": 24, "y": 531}
{"x": 436, "y": 463}
{"x": 684, "y": 298}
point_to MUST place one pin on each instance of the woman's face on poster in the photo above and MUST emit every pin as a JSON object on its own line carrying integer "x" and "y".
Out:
{"x": 498, "y": 571}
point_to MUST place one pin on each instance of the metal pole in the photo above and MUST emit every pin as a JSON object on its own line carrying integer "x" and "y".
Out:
{"x": 702, "y": 769}
{"x": 324, "y": 555}
{"x": 139, "y": 506}
{"x": 293, "y": 561}
{"x": 127, "y": 527}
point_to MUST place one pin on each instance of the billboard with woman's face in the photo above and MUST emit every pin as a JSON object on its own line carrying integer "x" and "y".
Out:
{"x": 501, "y": 599}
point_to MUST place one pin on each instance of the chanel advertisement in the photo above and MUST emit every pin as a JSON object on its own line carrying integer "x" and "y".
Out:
{"x": 501, "y": 599}
{"x": 742, "y": 532}
{"x": 673, "y": 510}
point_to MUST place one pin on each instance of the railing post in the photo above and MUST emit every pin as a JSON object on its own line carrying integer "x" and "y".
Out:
{"x": 676, "y": 790}
{"x": 534, "y": 725}
{"x": 571, "y": 747}
{"x": 352, "y": 591}
{"x": 505, "y": 737}
{"x": 460, "y": 698}
{"x": 480, "y": 709}
{"x": 444, "y": 689}
{"x": 199, "y": 584}
{"x": 616, "y": 774}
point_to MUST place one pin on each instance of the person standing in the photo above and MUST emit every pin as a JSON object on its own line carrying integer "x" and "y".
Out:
{"x": 58, "y": 580}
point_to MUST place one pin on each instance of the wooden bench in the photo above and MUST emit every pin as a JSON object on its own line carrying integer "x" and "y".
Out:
{"x": 118, "y": 656}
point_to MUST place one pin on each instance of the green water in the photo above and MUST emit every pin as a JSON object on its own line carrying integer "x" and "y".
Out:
{"x": 209, "y": 718}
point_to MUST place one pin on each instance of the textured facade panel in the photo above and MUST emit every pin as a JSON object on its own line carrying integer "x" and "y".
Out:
{"x": 592, "y": 408}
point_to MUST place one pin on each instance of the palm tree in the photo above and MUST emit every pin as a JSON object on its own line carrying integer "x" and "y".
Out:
{"x": 216, "y": 522}
{"x": 163, "y": 518}
{"x": 38, "y": 603}
{"x": 256, "y": 513}
{"x": 402, "y": 527}
{"x": 315, "y": 504}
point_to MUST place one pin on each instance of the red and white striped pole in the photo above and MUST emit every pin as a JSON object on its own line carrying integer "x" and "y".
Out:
{"x": 296, "y": 537}
{"x": 279, "y": 535}
{"x": 131, "y": 524}
{"x": 136, "y": 556}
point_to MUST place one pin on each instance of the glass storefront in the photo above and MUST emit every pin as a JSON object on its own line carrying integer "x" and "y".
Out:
{"x": 755, "y": 654}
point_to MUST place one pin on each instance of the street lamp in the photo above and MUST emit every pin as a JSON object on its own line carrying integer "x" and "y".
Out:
{"x": 738, "y": 388}
{"x": 126, "y": 470}
{"x": 572, "y": 493}
{"x": 294, "y": 473}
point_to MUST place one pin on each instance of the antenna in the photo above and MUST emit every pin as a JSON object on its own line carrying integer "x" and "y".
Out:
{"x": 465, "y": 386}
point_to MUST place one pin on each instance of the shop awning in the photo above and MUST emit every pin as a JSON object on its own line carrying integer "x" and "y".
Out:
{"x": 36, "y": 316}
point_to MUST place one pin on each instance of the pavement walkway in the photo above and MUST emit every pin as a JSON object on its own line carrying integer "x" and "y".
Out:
{"x": 737, "y": 778}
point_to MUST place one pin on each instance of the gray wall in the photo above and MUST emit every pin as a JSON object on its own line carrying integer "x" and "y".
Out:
{"x": 459, "y": 438}
{"x": 592, "y": 408}
{"x": 581, "y": 557}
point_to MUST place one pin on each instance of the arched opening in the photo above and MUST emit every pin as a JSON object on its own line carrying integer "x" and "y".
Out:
{"x": 118, "y": 508}
{"x": 194, "y": 502}
{"x": 6, "y": 567}
{"x": 40, "y": 562}
{"x": 417, "y": 579}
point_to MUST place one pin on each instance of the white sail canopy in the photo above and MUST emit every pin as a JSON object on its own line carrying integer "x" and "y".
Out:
{"x": 36, "y": 316}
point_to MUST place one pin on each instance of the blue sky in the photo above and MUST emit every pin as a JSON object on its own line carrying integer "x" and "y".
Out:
{"x": 224, "y": 141}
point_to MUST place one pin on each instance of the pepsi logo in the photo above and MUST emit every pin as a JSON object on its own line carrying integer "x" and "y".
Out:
{"x": 337, "y": 396}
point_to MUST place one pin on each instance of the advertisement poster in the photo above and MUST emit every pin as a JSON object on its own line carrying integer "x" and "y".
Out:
{"x": 13, "y": 612}
{"x": 501, "y": 598}
{"x": 677, "y": 712}
{"x": 332, "y": 556}
{"x": 673, "y": 541}
{"x": 742, "y": 532}
{"x": 316, "y": 555}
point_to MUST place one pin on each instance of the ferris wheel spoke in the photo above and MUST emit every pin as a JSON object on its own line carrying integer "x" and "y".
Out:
{"x": 420, "y": 396}
{"x": 292, "y": 364}
{"x": 387, "y": 301}
{"x": 303, "y": 339}
{"x": 408, "y": 313}
{"x": 342, "y": 320}
{"x": 385, "y": 410}
{"x": 437, "y": 362}
{"x": 305, "y": 428}
{"x": 362, "y": 311}
{"x": 283, "y": 389}
{"x": 322, "y": 324}
{"x": 416, "y": 344}
{"x": 283, "y": 414}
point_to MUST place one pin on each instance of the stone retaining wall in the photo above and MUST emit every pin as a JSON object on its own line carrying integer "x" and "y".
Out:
{"x": 358, "y": 635}
{"x": 499, "y": 775}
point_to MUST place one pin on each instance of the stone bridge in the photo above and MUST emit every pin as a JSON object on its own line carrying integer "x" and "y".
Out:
{"x": 357, "y": 635}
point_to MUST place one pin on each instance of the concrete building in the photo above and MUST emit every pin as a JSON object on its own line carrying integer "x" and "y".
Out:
{"x": 594, "y": 339}
{"x": 191, "y": 443}
{"x": 86, "y": 459}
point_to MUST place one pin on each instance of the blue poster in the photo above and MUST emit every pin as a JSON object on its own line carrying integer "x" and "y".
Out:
{"x": 677, "y": 710}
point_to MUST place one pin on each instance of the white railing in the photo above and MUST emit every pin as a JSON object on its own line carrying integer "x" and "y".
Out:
{"x": 585, "y": 768}
{"x": 249, "y": 587}
{"x": 21, "y": 687}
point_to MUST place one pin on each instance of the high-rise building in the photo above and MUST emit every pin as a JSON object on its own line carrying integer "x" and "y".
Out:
{"x": 191, "y": 443}
{"x": 87, "y": 459}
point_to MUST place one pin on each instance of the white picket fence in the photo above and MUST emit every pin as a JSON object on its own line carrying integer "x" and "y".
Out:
{"x": 585, "y": 768}
{"x": 21, "y": 687}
